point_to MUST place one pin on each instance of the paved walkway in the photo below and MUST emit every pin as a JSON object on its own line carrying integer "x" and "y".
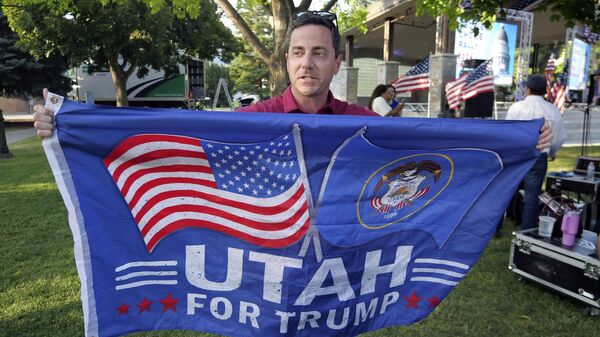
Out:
{"x": 17, "y": 135}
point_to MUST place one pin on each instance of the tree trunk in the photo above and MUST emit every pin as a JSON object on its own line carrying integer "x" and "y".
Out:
{"x": 282, "y": 15}
{"x": 279, "y": 76}
{"x": 120, "y": 89}
{"x": 282, "y": 12}
{"x": 119, "y": 79}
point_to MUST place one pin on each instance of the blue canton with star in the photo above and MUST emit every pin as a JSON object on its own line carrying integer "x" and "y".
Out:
{"x": 260, "y": 170}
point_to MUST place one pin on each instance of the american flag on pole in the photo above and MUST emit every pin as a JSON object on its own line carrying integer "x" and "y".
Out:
{"x": 416, "y": 79}
{"x": 454, "y": 91}
{"x": 254, "y": 192}
{"x": 560, "y": 88}
{"x": 479, "y": 81}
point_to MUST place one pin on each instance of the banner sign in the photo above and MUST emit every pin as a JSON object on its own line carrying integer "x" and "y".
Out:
{"x": 497, "y": 43}
{"x": 250, "y": 224}
{"x": 578, "y": 70}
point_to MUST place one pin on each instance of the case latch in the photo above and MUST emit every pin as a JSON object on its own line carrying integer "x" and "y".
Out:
{"x": 591, "y": 271}
{"x": 522, "y": 245}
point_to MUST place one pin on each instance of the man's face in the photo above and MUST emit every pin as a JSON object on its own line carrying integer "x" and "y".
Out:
{"x": 311, "y": 60}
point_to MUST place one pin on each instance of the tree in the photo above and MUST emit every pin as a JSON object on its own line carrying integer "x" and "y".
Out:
{"x": 251, "y": 74}
{"x": 21, "y": 74}
{"x": 212, "y": 73}
{"x": 281, "y": 12}
{"x": 584, "y": 12}
{"x": 125, "y": 36}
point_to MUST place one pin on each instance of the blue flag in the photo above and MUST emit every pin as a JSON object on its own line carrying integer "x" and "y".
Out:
{"x": 387, "y": 190}
{"x": 248, "y": 224}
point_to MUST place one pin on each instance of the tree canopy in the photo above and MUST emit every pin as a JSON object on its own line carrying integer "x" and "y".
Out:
{"x": 125, "y": 36}
{"x": 21, "y": 74}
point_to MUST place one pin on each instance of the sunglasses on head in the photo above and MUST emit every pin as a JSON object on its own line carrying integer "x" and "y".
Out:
{"x": 323, "y": 14}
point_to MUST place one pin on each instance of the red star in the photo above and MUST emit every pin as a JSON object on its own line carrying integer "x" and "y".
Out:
{"x": 413, "y": 300}
{"x": 169, "y": 303}
{"x": 123, "y": 309}
{"x": 144, "y": 305}
{"x": 433, "y": 301}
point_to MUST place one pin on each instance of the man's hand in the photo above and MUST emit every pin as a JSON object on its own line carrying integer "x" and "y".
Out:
{"x": 43, "y": 119}
{"x": 545, "y": 137}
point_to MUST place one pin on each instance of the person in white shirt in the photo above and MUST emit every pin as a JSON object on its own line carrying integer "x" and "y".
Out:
{"x": 535, "y": 106}
{"x": 380, "y": 100}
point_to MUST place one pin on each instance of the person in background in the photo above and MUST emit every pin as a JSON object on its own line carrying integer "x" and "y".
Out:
{"x": 382, "y": 97}
{"x": 535, "y": 106}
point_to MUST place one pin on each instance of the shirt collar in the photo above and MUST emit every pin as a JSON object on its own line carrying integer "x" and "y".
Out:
{"x": 535, "y": 97}
{"x": 291, "y": 106}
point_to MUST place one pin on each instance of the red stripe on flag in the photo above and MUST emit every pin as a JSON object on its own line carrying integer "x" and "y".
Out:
{"x": 163, "y": 169}
{"x": 154, "y": 155}
{"x": 162, "y": 181}
{"x": 261, "y": 210}
{"x": 136, "y": 140}
{"x": 263, "y": 226}
{"x": 190, "y": 223}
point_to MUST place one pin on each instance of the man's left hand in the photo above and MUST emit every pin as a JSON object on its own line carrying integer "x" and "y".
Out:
{"x": 545, "y": 137}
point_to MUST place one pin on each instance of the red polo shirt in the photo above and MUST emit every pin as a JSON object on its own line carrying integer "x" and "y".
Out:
{"x": 286, "y": 103}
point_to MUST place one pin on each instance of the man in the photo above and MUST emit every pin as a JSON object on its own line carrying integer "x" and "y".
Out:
{"x": 535, "y": 106}
{"x": 313, "y": 57}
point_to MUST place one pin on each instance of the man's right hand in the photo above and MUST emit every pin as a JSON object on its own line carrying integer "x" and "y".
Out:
{"x": 43, "y": 119}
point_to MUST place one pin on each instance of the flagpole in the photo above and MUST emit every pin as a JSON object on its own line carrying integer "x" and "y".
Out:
{"x": 495, "y": 105}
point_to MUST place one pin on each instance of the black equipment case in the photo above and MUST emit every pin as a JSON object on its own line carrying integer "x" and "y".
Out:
{"x": 572, "y": 271}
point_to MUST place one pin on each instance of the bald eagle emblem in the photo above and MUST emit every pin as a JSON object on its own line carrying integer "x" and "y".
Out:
{"x": 399, "y": 187}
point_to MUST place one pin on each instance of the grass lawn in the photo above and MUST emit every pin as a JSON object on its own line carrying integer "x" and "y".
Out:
{"x": 39, "y": 287}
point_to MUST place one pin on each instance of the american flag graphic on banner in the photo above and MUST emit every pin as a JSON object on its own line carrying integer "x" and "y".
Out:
{"x": 479, "y": 81}
{"x": 454, "y": 91}
{"x": 254, "y": 192}
{"x": 416, "y": 79}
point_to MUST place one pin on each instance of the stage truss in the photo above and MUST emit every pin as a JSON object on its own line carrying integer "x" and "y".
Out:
{"x": 525, "y": 21}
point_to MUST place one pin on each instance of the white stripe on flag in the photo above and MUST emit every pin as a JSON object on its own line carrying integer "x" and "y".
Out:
{"x": 170, "y": 161}
{"x": 261, "y": 202}
{"x": 145, "y": 283}
{"x": 286, "y": 213}
{"x": 166, "y": 263}
{"x": 444, "y": 262}
{"x": 438, "y": 271}
{"x": 145, "y": 273}
{"x": 144, "y": 148}
{"x": 257, "y": 233}
{"x": 433, "y": 280}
